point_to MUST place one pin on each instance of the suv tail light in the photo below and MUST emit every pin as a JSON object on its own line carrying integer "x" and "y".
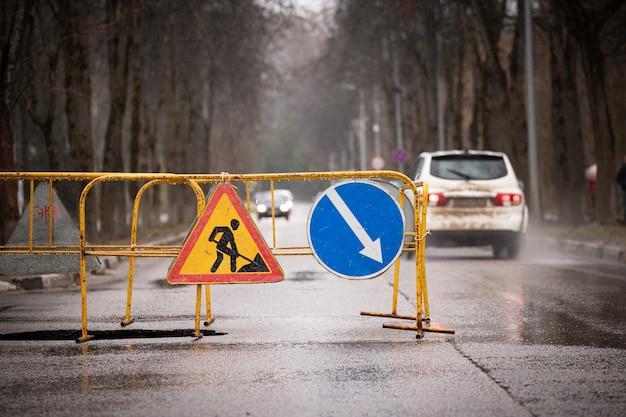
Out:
{"x": 436, "y": 199}
{"x": 506, "y": 199}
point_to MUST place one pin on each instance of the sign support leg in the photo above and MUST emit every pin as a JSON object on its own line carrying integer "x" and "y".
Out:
{"x": 209, "y": 316}
{"x": 129, "y": 294}
{"x": 196, "y": 331}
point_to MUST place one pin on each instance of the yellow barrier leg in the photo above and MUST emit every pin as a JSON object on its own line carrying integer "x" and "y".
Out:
{"x": 419, "y": 260}
{"x": 196, "y": 331}
{"x": 425, "y": 294}
{"x": 129, "y": 294}
{"x": 83, "y": 271}
{"x": 133, "y": 241}
{"x": 83, "y": 294}
{"x": 396, "y": 279}
{"x": 209, "y": 317}
{"x": 394, "y": 304}
{"x": 421, "y": 246}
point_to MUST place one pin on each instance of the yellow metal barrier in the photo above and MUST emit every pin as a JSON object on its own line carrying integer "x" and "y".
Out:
{"x": 414, "y": 241}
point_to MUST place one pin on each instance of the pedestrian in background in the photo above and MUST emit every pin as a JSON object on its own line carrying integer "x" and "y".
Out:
{"x": 620, "y": 178}
{"x": 591, "y": 174}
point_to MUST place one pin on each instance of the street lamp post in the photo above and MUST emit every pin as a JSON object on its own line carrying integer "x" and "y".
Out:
{"x": 362, "y": 135}
{"x": 397, "y": 103}
{"x": 535, "y": 205}
{"x": 440, "y": 133}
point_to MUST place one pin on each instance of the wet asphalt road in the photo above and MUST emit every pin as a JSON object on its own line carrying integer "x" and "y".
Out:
{"x": 541, "y": 336}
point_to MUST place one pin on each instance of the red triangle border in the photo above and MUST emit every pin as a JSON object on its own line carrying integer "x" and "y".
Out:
{"x": 275, "y": 273}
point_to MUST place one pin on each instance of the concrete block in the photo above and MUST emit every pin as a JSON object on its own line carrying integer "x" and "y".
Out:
{"x": 56, "y": 280}
{"x": 7, "y": 286}
{"x": 64, "y": 233}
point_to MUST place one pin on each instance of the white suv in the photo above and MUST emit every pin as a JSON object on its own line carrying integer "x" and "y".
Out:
{"x": 474, "y": 199}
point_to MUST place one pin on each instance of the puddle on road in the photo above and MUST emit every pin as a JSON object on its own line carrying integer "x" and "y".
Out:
{"x": 567, "y": 304}
{"x": 556, "y": 328}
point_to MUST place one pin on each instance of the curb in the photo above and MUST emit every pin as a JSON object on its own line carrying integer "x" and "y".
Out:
{"x": 593, "y": 250}
{"x": 43, "y": 282}
{"x": 60, "y": 280}
{"x": 584, "y": 249}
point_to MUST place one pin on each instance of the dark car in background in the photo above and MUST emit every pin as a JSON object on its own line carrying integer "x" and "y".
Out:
{"x": 283, "y": 203}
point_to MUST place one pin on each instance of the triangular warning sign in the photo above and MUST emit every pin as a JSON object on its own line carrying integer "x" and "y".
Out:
{"x": 64, "y": 233}
{"x": 224, "y": 246}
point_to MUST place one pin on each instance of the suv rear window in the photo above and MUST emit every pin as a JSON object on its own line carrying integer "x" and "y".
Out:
{"x": 468, "y": 167}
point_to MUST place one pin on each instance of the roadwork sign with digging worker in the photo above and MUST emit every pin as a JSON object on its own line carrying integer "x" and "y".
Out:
{"x": 224, "y": 246}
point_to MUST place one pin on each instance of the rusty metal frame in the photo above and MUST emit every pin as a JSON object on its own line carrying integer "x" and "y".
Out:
{"x": 416, "y": 243}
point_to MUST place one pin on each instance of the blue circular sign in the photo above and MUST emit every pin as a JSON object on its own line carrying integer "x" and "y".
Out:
{"x": 356, "y": 229}
{"x": 400, "y": 156}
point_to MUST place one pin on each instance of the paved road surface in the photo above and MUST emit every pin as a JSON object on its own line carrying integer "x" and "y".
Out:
{"x": 542, "y": 336}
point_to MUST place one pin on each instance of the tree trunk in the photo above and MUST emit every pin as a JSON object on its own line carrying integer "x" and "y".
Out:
{"x": 46, "y": 123}
{"x": 77, "y": 85}
{"x": 11, "y": 47}
{"x": 517, "y": 115}
{"x": 604, "y": 139}
{"x": 9, "y": 213}
{"x": 44, "y": 83}
{"x": 494, "y": 95}
{"x": 136, "y": 97}
{"x": 566, "y": 129}
{"x": 113, "y": 193}
{"x": 74, "y": 32}
{"x": 587, "y": 24}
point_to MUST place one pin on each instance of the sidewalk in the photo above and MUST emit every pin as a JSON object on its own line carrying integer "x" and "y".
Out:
{"x": 604, "y": 252}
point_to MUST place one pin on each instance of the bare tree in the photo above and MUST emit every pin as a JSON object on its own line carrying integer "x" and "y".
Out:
{"x": 117, "y": 22}
{"x": 15, "y": 21}
{"x": 43, "y": 62}
{"x": 586, "y": 21}
{"x": 567, "y": 143}
{"x": 75, "y": 45}
{"x": 77, "y": 84}
{"x": 482, "y": 95}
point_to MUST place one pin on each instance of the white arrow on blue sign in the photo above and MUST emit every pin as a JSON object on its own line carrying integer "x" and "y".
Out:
{"x": 356, "y": 229}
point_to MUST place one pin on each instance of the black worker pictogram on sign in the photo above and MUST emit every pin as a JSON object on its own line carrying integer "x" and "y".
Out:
{"x": 224, "y": 246}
